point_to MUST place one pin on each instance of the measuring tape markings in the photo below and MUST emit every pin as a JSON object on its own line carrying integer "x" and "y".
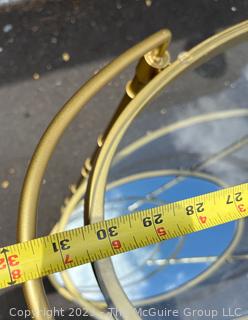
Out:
{"x": 42, "y": 256}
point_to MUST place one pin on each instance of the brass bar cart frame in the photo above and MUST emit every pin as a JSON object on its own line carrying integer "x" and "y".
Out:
{"x": 154, "y": 50}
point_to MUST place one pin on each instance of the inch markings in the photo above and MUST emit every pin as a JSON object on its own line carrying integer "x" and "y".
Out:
{"x": 42, "y": 256}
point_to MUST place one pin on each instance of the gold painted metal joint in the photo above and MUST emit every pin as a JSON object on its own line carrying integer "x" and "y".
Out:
{"x": 148, "y": 67}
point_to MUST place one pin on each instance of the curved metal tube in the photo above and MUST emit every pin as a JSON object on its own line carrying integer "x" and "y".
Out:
{"x": 33, "y": 290}
{"x": 94, "y": 204}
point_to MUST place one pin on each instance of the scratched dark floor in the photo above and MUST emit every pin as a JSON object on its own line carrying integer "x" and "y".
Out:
{"x": 33, "y": 37}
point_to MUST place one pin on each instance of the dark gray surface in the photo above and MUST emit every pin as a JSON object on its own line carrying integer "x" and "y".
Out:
{"x": 92, "y": 32}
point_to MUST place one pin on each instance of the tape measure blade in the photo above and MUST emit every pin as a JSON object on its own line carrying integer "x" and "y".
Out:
{"x": 57, "y": 252}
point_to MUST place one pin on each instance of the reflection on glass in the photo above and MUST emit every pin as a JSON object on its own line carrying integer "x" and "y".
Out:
{"x": 190, "y": 140}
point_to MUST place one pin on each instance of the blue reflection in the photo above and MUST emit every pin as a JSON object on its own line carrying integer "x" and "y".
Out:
{"x": 150, "y": 280}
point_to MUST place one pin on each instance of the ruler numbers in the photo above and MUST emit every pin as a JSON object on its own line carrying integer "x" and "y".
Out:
{"x": 57, "y": 252}
{"x": 10, "y": 263}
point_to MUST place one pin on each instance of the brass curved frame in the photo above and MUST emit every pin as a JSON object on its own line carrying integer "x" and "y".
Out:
{"x": 94, "y": 204}
{"x": 34, "y": 290}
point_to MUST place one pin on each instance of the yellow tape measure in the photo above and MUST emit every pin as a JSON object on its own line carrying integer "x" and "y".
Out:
{"x": 42, "y": 256}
